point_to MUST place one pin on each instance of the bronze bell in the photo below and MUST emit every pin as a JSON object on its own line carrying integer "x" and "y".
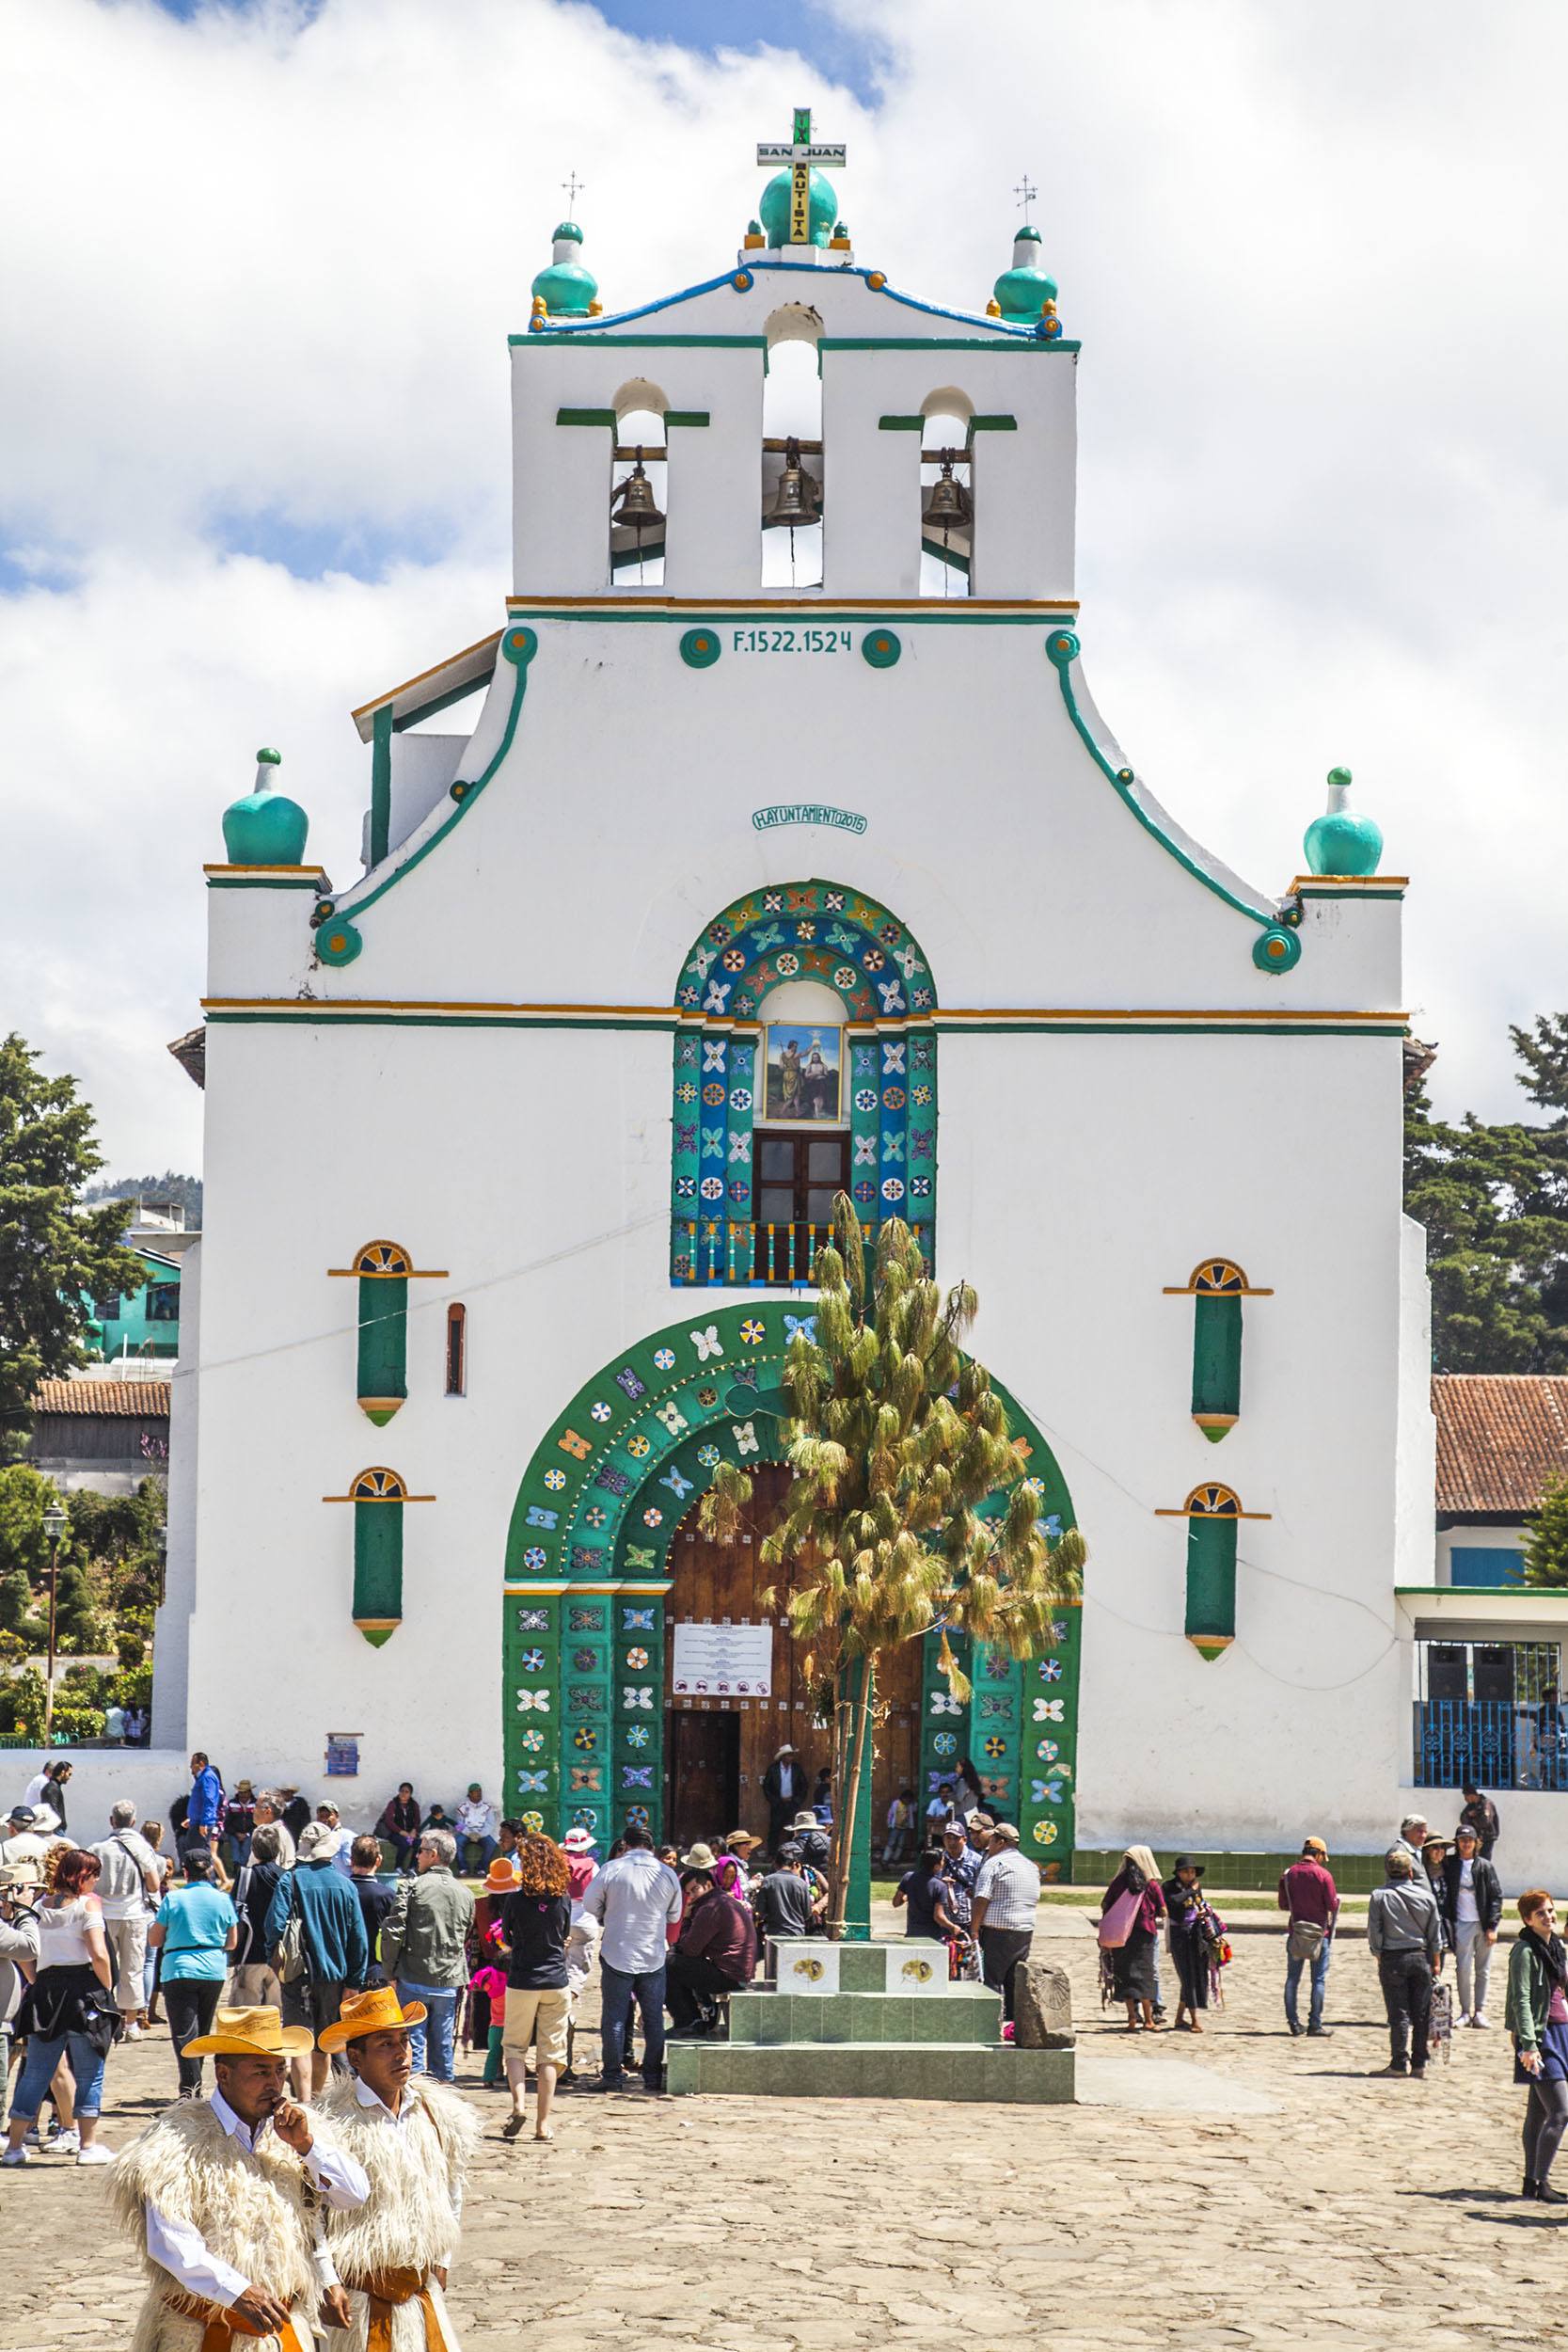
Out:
{"x": 949, "y": 506}
{"x": 798, "y": 496}
{"x": 632, "y": 505}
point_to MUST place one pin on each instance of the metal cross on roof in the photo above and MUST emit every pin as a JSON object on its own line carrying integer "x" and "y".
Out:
{"x": 573, "y": 186}
{"x": 1025, "y": 193}
{"x": 799, "y": 153}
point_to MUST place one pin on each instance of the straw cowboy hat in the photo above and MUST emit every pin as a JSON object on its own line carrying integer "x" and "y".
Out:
{"x": 377, "y": 2009}
{"x": 251, "y": 2033}
{"x": 501, "y": 1878}
{"x": 742, "y": 1837}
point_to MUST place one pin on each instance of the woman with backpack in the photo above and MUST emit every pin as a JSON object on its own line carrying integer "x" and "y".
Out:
{"x": 255, "y": 1982}
{"x": 1130, "y": 1911}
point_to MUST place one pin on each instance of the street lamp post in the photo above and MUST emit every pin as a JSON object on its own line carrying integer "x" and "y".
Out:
{"x": 55, "y": 1524}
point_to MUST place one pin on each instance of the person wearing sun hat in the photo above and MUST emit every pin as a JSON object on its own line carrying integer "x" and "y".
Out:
{"x": 415, "y": 2139}
{"x": 220, "y": 2194}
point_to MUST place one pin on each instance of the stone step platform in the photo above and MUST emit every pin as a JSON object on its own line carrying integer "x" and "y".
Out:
{"x": 993, "y": 2073}
{"x": 958, "y": 2014}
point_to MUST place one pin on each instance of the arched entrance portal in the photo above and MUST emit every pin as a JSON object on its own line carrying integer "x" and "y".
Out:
{"x": 718, "y": 1746}
{"x": 589, "y": 1648}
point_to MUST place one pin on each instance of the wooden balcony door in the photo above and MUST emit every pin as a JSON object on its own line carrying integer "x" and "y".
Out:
{"x": 795, "y": 1175}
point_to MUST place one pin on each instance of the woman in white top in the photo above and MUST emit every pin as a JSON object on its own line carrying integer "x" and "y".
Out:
{"x": 69, "y": 2012}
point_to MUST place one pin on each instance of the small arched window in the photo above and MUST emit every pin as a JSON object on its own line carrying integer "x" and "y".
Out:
{"x": 457, "y": 1349}
{"x": 946, "y": 496}
{"x": 793, "y": 483}
{"x": 638, "y": 487}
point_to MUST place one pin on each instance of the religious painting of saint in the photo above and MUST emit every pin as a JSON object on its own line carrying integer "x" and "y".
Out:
{"x": 803, "y": 1070}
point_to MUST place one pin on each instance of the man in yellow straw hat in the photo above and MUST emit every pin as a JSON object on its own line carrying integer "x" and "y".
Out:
{"x": 414, "y": 2139}
{"x": 221, "y": 2194}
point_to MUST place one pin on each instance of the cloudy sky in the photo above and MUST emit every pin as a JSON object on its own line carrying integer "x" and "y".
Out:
{"x": 258, "y": 268}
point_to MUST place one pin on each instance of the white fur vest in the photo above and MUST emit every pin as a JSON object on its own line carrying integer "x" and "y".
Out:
{"x": 417, "y": 2170}
{"x": 253, "y": 2210}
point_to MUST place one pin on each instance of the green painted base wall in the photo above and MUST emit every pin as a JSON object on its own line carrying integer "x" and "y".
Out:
{"x": 1354, "y": 1873}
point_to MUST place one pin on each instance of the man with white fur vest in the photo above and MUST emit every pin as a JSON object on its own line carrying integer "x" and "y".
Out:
{"x": 414, "y": 2139}
{"x": 224, "y": 2195}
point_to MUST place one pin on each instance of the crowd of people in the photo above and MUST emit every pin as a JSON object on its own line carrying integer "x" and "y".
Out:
{"x": 333, "y": 1979}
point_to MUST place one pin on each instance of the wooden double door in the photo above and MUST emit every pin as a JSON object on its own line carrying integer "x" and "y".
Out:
{"x": 716, "y": 1750}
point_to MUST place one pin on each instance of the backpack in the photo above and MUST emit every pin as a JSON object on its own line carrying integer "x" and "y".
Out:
{"x": 288, "y": 1957}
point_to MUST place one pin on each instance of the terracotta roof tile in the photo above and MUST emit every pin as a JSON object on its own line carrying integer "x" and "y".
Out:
{"x": 128, "y": 1400}
{"x": 1500, "y": 1437}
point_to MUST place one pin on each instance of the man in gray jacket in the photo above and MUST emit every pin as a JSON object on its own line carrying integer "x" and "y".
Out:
{"x": 424, "y": 1949}
{"x": 1405, "y": 1937}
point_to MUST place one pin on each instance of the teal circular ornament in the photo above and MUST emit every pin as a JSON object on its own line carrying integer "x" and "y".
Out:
{"x": 1063, "y": 647}
{"x": 1342, "y": 840}
{"x": 701, "y": 649}
{"x": 520, "y": 646}
{"x": 778, "y": 202}
{"x": 264, "y": 827}
{"x": 1276, "y": 950}
{"x": 336, "y": 942}
{"x": 880, "y": 648}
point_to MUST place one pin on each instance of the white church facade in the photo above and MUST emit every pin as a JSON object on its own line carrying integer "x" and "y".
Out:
{"x": 750, "y": 864}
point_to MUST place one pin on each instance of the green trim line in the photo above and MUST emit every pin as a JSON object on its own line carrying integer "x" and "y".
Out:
{"x": 912, "y": 343}
{"x": 518, "y": 647}
{"x": 950, "y": 556}
{"x": 687, "y": 416}
{"x": 905, "y": 616}
{"x": 584, "y": 416}
{"x": 264, "y": 882}
{"x": 992, "y": 425}
{"x": 381, "y": 783}
{"x": 1063, "y": 648}
{"x": 1310, "y": 890}
{"x": 650, "y": 343}
{"x": 347, "y": 1011}
{"x": 351, "y": 1012}
{"x": 901, "y": 424}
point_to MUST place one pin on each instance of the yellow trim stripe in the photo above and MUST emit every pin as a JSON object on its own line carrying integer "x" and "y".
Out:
{"x": 787, "y": 604}
{"x": 1350, "y": 881}
{"x": 306, "y": 1007}
{"x": 265, "y": 869}
{"x": 480, "y": 644}
{"x": 378, "y": 1498}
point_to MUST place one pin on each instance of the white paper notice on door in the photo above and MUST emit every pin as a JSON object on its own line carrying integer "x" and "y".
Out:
{"x": 723, "y": 1661}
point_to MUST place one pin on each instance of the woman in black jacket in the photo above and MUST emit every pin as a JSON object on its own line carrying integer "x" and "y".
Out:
{"x": 1472, "y": 1907}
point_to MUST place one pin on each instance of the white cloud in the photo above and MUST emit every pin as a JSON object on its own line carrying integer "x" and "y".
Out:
{"x": 269, "y": 262}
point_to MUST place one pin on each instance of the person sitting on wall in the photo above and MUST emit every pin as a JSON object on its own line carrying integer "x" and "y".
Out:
{"x": 714, "y": 1954}
{"x": 399, "y": 1824}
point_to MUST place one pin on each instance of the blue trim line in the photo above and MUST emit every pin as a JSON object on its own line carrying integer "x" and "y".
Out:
{"x": 564, "y": 333}
{"x": 1062, "y": 646}
{"x": 351, "y": 902}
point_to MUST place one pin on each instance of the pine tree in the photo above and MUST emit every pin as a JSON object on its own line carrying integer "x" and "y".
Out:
{"x": 53, "y": 1253}
{"x": 896, "y": 1441}
{"x": 1546, "y": 1538}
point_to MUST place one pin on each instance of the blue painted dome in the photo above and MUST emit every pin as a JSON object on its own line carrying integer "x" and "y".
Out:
{"x": 774, "y": 208}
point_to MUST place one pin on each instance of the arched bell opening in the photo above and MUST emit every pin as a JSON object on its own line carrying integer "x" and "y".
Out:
{"x": 638, "y": 487}
{"x": 946, "y": 495}
{"x": 792, "y": 452}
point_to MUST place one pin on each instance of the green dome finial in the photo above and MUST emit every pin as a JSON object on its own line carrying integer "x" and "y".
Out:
{"x": 1342, "y": 841}
{"x": 566, "y": 289}
{"x": 264, "y": 827}
{"x": 1021, "y": 293}
{"x": 775, "y": 206}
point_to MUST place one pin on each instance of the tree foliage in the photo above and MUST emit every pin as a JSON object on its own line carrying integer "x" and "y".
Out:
{"x": 897, "y": 1439}
{"x": 51, "y": 1248}
{"x": 1546, "y": 1537}
{"x": 183, "y": 1191}
{"x": 1494, "y": 1200}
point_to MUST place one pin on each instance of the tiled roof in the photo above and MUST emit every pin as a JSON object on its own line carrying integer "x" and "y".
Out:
{"x": 1500, "y": 1437}
{"x": 127, "y": 1400}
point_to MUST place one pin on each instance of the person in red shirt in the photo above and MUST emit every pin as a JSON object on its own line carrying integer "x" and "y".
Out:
{"x": 1308, "y": 1895}
{"x": 715, "y": 1953}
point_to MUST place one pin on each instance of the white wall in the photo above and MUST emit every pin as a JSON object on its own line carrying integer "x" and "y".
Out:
{"x": 171, "y": 1627}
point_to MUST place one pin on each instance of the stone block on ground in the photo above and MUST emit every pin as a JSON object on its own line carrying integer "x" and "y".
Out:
{"x": 1043, "y": 2007}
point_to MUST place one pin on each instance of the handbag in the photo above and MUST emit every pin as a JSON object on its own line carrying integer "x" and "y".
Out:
{"x": 1305, "y": 1939}
{"x": 1117, "y": 1923}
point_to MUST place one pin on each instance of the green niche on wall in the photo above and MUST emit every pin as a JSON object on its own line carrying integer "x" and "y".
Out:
{"x": 378, "y": 1496}
{"x": 383, "y": 1375}
{"x": 1211, "y": 1622}
{"x": 1216, "y": 1365}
